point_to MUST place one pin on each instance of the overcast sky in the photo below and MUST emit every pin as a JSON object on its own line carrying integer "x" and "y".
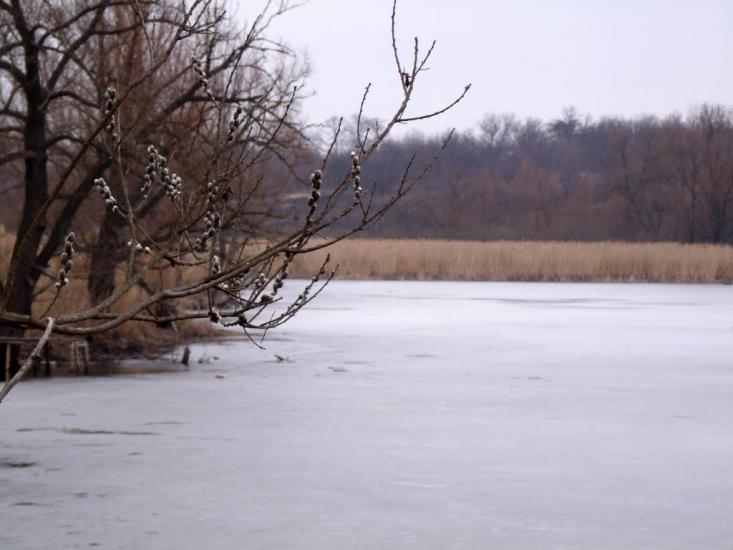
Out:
{"x": 528, "y": 57}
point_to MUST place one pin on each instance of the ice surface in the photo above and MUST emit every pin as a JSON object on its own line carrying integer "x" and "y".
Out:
{"x": 403, "y": 415}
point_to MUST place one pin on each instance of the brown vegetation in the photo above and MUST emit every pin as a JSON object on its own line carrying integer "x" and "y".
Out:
{"x": 528, "y": 261}
{"x": 132, "y": 337}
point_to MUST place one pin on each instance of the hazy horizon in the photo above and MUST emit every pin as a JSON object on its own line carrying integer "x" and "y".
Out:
{"x": 529, "y": 58}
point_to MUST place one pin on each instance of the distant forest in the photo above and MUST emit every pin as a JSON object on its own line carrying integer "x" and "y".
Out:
{"x": 646, "y": 178}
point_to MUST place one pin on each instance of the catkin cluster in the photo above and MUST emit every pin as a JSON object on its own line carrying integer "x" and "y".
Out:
{"x": 282, "y": 274}
{"x": 316, "y": 182}
{"x": 105, "y": 191}
{"x": 234, "y": 123}
{"x": 172, "y": 183}
{"x": 260, "y": 281}
{"x": 212, "y": 219}
{"x": 302, "y": 297}
{"x": 157, "y": 170}
{"x": 138, "y": 247}
{"x": 215, "y": 265}
{"x": 201, "y": 73}
{"x": 110, "y": 97}
{"x": 214, "y": 315}
{"x": 66, "y": 262}
{"x": 356, "y": 177}
{"x": 151, "y": 169}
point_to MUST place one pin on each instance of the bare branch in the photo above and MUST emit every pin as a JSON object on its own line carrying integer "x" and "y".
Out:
{"x": 28, "y": 363}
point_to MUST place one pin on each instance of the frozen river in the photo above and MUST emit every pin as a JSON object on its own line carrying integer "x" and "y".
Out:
{"x": 404, "y": 415}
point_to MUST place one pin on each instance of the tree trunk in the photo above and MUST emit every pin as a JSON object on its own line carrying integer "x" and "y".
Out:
{"x": 9, "y": 361}
{"x": 110, "y": 249}
{"x": 107, "y": 254}
{"x": 18, "y": 297}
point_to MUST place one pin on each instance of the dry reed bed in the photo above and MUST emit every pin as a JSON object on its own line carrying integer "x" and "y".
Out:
{"x": 526, "y": 261}
{"x": 426, "y": 260}
{"x": 132, "y": 336}
{"x": 452, "y": 260}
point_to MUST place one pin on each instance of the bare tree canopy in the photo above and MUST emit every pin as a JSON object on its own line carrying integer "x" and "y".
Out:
{"x": 153, "y": 136}
{"x": 645, "y": 178}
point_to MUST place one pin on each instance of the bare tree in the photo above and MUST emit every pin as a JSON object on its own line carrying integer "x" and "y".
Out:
{"x": 169, "y": 213}
{"x": 712, "y": 130}
{"x": 638, "y": 179}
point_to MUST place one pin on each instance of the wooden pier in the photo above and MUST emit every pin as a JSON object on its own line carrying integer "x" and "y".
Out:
{"x": 69, "y": 355}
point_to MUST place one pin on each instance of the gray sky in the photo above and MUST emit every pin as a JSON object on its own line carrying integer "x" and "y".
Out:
{"x": 529, "y": 57}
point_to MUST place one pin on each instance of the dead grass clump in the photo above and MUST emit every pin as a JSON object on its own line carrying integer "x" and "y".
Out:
{"x": 526, "y": 261}
{"x": 132, "y": 337}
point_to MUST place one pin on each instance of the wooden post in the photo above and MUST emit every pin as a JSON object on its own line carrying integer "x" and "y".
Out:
{"x": 8, "y": 357}
{"x": 86, "y": 359}
{"x": 73, "y": 365}
{"x": 47, "y": 358}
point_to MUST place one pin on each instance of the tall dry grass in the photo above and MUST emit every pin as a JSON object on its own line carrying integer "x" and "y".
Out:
{"x": 526, "y": 261}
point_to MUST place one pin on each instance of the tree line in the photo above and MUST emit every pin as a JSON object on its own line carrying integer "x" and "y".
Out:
{"x": 647, "y": 178}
